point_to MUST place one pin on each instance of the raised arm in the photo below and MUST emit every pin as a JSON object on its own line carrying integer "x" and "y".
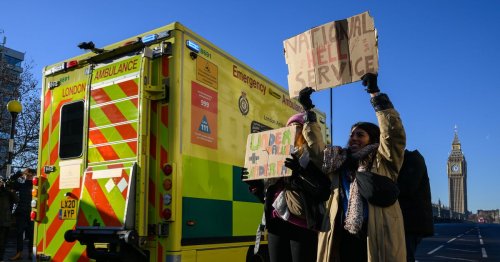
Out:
{"x": 392, "y": 133}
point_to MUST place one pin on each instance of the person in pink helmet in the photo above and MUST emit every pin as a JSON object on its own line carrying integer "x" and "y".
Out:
{"x": 294, "y": 207}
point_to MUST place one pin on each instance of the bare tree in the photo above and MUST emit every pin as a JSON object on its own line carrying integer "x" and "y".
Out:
{"x": 24, "y": 88}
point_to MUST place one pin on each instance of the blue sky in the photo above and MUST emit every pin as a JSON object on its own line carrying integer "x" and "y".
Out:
{"x": 439, "y": 61}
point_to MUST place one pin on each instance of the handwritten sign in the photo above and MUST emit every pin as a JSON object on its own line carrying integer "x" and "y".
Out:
{"x": 332, "y": 54}
{"x": 266, "y": 153}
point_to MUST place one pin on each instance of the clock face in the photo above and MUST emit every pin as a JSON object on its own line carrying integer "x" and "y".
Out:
{"x": 454, "y": 168}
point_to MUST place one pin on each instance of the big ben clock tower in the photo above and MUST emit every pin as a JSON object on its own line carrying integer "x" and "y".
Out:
{"x": 457, "y": 177}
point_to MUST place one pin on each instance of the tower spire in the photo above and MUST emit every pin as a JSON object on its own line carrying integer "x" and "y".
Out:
{"x": 456, "y": 141}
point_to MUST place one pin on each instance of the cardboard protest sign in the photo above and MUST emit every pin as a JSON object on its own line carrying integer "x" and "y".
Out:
{"x": 266, "y": 153}
{"x": 332, "y": 54}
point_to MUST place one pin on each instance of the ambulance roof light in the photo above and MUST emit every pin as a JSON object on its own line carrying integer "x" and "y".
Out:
{"x": 149, "y": 38}
{"x": 71, "y": 64}
{"x": 193, "y": 46}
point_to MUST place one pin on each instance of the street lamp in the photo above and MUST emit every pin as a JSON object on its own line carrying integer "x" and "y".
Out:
{"x": 14, "y": 107}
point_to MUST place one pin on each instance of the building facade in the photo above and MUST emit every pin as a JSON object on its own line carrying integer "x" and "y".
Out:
{"x": 457, "y": 178}
{"x": 10, "y": 71}
{"x": 488, "y": 216}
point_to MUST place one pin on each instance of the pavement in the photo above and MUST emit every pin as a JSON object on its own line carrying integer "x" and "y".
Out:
{"x": 10, "y": 249}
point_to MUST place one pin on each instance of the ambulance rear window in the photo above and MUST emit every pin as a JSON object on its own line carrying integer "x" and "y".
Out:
{"x": 71, "y": 138}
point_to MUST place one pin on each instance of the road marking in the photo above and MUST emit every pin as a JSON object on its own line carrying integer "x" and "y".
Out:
{"x": 484, "y": 252}
{"x": 481, "y": 241}
{"x": 436, "y": 249}
{"x": 451, "y": 240}
{"x": 460, "y": 235}
{"x": 462, "y": 250}
{"x": 454, "y": 258}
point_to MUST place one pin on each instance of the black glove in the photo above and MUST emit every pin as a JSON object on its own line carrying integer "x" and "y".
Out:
{"x": 293, "y": 164}
{"x": 305, "y": 98}
{"x": 253, "y": 185}
{"x": 370, "y": 81}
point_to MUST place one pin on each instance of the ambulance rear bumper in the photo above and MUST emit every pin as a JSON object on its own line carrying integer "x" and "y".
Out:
{"x": 108, "y": 244}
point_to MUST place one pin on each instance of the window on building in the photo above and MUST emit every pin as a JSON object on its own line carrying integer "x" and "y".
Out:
{"x": 13, "y": 61}
{"x": 71, "y": 136}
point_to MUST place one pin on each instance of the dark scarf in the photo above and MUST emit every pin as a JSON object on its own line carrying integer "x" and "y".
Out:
{"x": 336, "y": 158}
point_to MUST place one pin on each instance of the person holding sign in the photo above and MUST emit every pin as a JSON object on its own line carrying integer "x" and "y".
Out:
{"x": 366, "y": 225}
{"x": 294, "y": 206}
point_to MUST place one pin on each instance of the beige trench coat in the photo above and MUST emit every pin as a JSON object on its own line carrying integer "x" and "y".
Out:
{"x": 386, "y": 241}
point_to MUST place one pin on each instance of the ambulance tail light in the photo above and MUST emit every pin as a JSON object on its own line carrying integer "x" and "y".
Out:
{"x": 33, "y": 215}
{"x": 34, "y": 192}
{"x": 35, "y": 181}
{"x": 33, "y": 203}
{"x": 167, "y": 169}
{"x": 167, "y": 184}
{"x": 166, "y": 213}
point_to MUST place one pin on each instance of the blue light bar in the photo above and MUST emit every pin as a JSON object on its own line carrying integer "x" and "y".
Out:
{"x": 149, "y": 38}
{"x": 193, "y": 46}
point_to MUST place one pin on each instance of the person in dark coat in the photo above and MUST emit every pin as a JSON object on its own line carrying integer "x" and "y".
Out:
{"x": 24, "y": 225}
{"x": 7, "y": 199}
{"x": 415, "y": 201}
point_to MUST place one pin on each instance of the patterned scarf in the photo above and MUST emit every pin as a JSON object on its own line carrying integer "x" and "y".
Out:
{"x": 336, "y": 157}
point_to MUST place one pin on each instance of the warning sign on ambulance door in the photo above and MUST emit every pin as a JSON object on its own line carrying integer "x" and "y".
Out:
{"x": 203, "y": 116}
{"x": 68, "y": 208}
{"x": 207, "y": 72}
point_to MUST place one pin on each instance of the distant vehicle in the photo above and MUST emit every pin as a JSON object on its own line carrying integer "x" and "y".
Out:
{"x": 481, "y": 220}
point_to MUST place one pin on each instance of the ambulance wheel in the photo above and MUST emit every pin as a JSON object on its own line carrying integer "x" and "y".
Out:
{"x": 261, "y": 256}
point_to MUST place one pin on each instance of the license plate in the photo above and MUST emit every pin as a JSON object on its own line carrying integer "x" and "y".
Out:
{"x": 68, "y": 208}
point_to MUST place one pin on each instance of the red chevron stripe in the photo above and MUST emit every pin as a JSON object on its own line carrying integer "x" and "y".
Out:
{"x": 54, "y": 154}
{"x": 100, "y": 96}
{"x": 152, "y": 146}
{"x": 129, "y": 88}
{"x": 133, "y": 146}
{"x": 83, "y": 257}
{"x": 47, "y": 100}
{"x": 127, "y": 131}
{"x": 82, "y": 220}
{"x": 159, "y": 255}
{"x": 163, "y": 156}
{"x": 135, "y": 102}
{"x": 113, "y": 113}
{"x": 164, "y": 67}
{"x": 56, "y": 222}
{"x": 164, "y": 115}
{"x": 54, "y": 189}
{"x": 63, "y": 251}
{"x": 115, "y": 166}
{"x": 107, "y": 152}
{"x": 102, "y": 204}
{"x": 45, "y": 136}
